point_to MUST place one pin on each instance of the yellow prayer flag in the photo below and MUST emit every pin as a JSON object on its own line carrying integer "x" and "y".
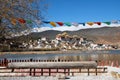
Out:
{"x": 90, "y": 23}
{"x": 13, "y": 21}
{"x": 53, "y": 24}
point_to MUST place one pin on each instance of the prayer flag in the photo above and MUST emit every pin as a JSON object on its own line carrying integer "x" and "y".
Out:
{"x": 114, "y": 22}
{"x": 67, "y": 24}
{"x": 29, "y": 21}
{"x": 13, "y": 21}
{"x": 75, "y": 24}
{"x": 38, "y": 21}
{"x": 90, "y": 23}
{"x": 60, "y": 23}
{"x": 98, "y": 23}
{"x": 46, "y": 22}
{"x": 108, "y": 23}
{"x": 82, "y": 24}
{"x": 21, "y": 20}
{"x": 53, "y": 24}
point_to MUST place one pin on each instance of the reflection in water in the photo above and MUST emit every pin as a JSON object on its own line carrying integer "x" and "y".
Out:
{"x": 98, "y": 57}
{"x": 113, "y": 55}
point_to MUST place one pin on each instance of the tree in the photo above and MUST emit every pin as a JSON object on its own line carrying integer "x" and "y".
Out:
{"x": 19, "y": 15}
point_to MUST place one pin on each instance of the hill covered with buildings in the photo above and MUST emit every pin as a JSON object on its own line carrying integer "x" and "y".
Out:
{"x": 104, "y": 35}
{"x": 90, "y": 39}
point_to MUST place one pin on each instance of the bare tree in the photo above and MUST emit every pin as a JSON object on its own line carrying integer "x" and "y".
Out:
{"x": 19, "y": 15}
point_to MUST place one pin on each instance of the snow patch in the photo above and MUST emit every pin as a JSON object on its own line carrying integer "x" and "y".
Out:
{"x": 72, "y": 28}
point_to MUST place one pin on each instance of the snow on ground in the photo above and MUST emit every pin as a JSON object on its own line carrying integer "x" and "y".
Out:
{"x": 93, "y": 78}
{"x": 29, "y": 78}
{"x": 110, "y": 68}
{"x": 55, "y": 78}
{"x": 104, "y": 76}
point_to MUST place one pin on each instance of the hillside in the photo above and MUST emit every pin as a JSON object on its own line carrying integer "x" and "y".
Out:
{"x": 106, "y": 35}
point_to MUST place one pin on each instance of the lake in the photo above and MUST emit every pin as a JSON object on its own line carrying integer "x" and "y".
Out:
{"x": 112, "y": 55}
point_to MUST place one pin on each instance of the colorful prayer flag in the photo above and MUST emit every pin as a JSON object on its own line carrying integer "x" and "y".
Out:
{"x": 29, "y": 21}
{"x": 90, "y": 23}
{"x": 21, "y": 20}
{"x": 67, "y": 24}
{"x": 38, "y": 21}
{"x": 47, "y": 22}
{"x": 13, "y": 21}
{"x": 108, "y": 23}
{"x": 60, "y": 23}
{"x": 53, "y": 24}
{"x": 98, "y": 23}
{"x": 75, "y": 24}
{"x": 82, "y": 24}
{"x": 114, "y": 22}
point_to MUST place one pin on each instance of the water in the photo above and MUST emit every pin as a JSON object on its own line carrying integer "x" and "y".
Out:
{"x": 112, "y": 55}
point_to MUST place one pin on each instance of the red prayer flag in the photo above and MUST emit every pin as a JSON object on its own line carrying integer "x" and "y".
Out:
{"x": 60, "y": 23}
{"x": 98, "y": 23}
{"x": 21, "y": 20}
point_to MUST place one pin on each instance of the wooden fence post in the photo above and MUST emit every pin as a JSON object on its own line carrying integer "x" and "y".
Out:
{"x": 41, "y": 71}
{"x": 5, "y": 62}
{"x": 68, "y": 71}
{"x": 30, "y": 72}
{"x": 88, "y": 72}
{"x": 0, "y": 62}
{"x": 80, "y": 70}
{"x": 96, "y": 71}
{"x": 49, "y": 72}
{"x": 57, "y": 70}
{"x": 34, "y": 72}
{"x": 64, "y": 71}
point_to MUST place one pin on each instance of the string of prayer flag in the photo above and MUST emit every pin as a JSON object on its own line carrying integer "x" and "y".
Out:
{"x": 55, "y": 23}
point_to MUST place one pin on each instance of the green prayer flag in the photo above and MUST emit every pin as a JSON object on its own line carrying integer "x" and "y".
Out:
{"x": 29, "y": 21}
{"x": 108, "y": 23}
{"x": 67, "y": 24}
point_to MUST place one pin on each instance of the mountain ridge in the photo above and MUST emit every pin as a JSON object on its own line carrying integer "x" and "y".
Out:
{"x": 104, "y": 35}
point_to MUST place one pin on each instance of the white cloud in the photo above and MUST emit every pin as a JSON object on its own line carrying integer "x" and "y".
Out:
{"x": 41, "y": 29}
{"x": 73, "y": 28}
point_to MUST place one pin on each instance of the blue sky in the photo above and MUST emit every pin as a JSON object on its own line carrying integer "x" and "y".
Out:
{"x": 83, "y": 10}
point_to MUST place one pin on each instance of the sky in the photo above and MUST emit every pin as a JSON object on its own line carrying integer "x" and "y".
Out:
{"x": 82, "y": 10}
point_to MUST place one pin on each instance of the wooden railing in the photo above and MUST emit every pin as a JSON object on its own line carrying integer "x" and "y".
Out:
{"x": 50, "y": 71}
{"x": 4, "y": 62}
